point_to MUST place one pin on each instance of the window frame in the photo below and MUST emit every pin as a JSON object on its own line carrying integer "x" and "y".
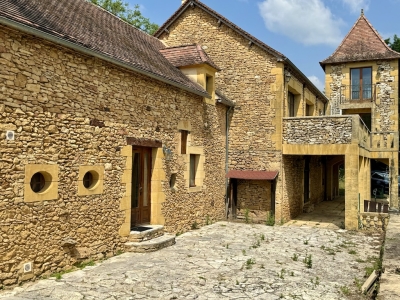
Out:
{"x": 184, "y": 138}
{"x": 361, "y": 90}
{"x": 291, "y": 104}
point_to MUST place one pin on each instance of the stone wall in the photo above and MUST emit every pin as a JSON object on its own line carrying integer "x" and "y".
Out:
{"x": 386, "y": 102}
{"x": 317, "y": 130}
{"x": 72, "y": 110}
{"x": 245, "y": 77}
{"x": 248, "y": 76}
{"x": 373, "y": 221}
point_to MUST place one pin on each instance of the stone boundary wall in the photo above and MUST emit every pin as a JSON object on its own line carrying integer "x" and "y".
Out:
{"x": 317, "y": 130}
{"x": 373, "y": 221}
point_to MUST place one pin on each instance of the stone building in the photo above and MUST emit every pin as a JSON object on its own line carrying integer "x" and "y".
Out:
{"x": 287, "y": 141}
{"x": 267, "y": 89}
{"x": 100, "y": 132}
{"x": 104, "y": 128}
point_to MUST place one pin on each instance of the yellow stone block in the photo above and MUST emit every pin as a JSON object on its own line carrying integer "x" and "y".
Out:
{"x": 125, "y": 229}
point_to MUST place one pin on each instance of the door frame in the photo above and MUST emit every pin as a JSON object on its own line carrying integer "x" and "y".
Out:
{"x": 141, "y": 185}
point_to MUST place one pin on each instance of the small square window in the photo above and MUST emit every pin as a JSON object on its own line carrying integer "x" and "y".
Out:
{"x": 184, "y": 136}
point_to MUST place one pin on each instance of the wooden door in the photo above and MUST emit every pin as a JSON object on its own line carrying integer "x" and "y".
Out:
{"x": 141, "y": 176}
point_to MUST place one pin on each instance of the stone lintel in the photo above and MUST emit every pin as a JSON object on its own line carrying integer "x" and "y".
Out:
{"x": 143, "y": 142}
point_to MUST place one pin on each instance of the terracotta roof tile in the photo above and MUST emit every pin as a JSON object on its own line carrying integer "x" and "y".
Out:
{"x": 362, "y": 43}
{"x": 252, "y": 175}
{"x": 85, "y": 24}
{"x": 187, "y": 55}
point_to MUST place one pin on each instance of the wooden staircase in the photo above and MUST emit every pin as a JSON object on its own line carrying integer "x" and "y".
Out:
{"x": 148, "y": 238}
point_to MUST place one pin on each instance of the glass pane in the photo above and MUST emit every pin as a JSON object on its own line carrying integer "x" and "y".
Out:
{"x": 192, "y": 170}
{"x": 355, "y": 83}
{"x": 135, "y": 180}
{"x": 145, "y": 181}
{"x": 367, "y": 83}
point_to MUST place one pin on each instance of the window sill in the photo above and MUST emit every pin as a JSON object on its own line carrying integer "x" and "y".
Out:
{"x": 194, "y": 189}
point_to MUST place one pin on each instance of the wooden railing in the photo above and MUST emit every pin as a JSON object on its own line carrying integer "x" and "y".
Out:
{"x": 372, "y": 206}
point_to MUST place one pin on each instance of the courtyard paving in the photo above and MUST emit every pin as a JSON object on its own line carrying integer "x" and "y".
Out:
{"x": 226, "y": 260}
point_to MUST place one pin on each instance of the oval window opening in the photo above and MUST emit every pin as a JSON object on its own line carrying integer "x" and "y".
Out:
{"x": 88, "y": 180}
{"x": 37, "y": 182}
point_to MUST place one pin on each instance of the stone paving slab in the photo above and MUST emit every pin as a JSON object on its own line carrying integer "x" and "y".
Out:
{"x": 226, "y": 261}
{"x": 390, "y": 279}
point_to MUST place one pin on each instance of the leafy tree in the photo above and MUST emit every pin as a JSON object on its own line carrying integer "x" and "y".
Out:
{"x": 122, "y": 11}
{"x": 395, "y": 45}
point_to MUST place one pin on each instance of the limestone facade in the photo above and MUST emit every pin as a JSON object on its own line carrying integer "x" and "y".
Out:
{"x": 71, "y": 114}
{"x": 255, "y": 79}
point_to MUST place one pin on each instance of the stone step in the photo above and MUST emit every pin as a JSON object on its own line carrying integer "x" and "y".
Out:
{"x": 152, "y": 245}
{"x": 139, "y": 236}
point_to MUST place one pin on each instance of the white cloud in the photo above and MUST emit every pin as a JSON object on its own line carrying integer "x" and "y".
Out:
{"x": 307, "y": 21}
{"x": 357, "y": 5}
{"x": 317, "y": 82}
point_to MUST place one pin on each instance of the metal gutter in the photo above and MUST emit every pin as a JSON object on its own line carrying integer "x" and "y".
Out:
{"x": 84, "y": 50}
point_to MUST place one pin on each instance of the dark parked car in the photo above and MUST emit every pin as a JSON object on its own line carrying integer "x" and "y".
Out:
{"x": 380, "y": 182}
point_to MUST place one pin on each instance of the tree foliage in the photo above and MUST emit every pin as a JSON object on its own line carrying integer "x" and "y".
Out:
{"x": 395, "y": 45}
{"x": 122, "y": 11}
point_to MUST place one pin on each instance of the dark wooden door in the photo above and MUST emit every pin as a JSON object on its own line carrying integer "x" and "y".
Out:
{"x": 141, "y": 176}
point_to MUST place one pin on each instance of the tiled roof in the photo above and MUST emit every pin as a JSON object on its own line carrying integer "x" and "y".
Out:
{"x": 187, "y": 55}
{"x": 221, "y": 19}
{"x": 82, "y": 23}
{"x": 362, "y": 43}
{"x": 252, "y": 175}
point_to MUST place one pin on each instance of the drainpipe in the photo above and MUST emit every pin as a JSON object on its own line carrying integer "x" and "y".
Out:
{"x": 226, "y": 161}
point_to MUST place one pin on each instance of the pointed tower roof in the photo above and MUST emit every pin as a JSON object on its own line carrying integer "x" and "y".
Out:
{"x": 362, "y": 43}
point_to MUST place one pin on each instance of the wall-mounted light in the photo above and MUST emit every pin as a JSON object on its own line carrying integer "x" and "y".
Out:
{"x": 288, "y": 76}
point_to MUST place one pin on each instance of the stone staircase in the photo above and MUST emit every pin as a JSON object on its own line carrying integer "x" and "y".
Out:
{"x": 148, "y": 238}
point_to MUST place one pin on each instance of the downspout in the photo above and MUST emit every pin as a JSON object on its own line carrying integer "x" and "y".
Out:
{"x": 227, "y": 162}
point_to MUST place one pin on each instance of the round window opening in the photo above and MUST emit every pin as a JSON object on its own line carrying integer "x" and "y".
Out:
{"x": 88, "y": 180}
{"x": 38, "y": 182}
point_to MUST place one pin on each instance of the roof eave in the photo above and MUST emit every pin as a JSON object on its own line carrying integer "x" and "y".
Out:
{"x": 84, "y": 50}
{"x": 308, "y": 82}
{"x": 193, "y": 3}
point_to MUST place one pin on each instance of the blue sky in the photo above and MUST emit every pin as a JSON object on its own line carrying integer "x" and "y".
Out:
{"x": 306, "y": 31}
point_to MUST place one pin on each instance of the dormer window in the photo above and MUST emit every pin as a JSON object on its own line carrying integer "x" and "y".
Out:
{"x": 361, "y": 83}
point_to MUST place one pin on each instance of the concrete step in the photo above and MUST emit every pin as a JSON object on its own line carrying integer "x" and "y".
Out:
{"x": 152, "y": 245}
{"x": 139, "y": 236}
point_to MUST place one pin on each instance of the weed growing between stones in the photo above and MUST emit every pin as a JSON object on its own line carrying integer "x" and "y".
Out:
{"x": 195, "y": 225}
{"x": 295, "y": 257}
{"x": 244, "y": 252}
{"x": 249, "y": 263}
{"x": 345, "y": 290}
{"x": 308, "y": 261}
{"x": 305, "y": 242}
{"x": 82, "y": 265}
{"x": 270, "y": 219}
{"x": 247, "y": 215}
{"x": 281, "y": 274}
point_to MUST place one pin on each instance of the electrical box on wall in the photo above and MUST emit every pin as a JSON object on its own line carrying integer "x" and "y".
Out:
{"x": 10, "y": 135}
{"x": 28, "y": 267}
